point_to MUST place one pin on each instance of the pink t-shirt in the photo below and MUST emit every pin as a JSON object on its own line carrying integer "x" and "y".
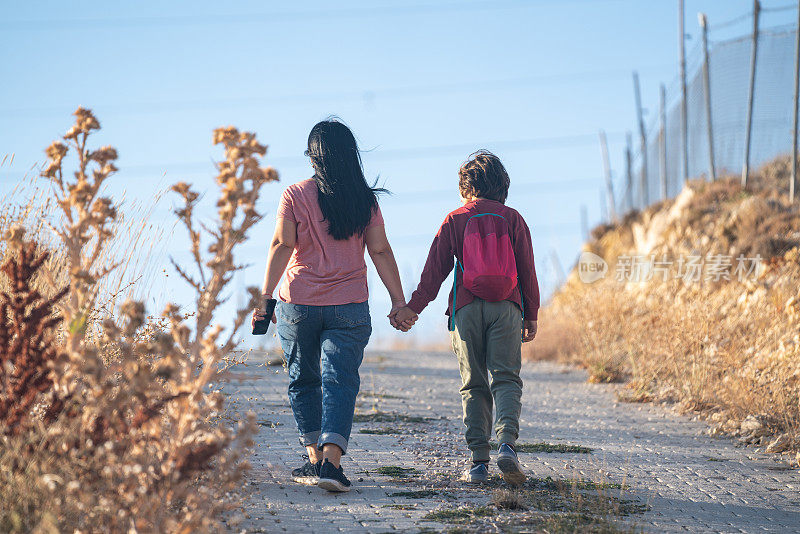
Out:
{"x": 322, "y": 271}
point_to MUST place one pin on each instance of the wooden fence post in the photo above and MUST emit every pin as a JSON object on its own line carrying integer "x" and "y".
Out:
{"x": 643, "y": 192}
{"x": 684, "y": 112}
{"x": 750, "y": 95}
{"x": 612, "y": 211}
{"x": 707, "y": 92}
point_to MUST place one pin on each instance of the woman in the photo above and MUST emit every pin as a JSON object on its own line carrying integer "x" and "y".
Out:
{"x": 323, "y": 226}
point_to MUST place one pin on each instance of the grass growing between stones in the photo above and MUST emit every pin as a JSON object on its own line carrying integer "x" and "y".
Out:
{"x": 548, "y": 448}
{"x": 459, "y": 515}
{"x": 382, "y": 431}
{"x": 397, "y": 471}
{"x": 379, "y": 395}
{"x": 553, "y": 484}
{"x": 388, "y": 417}
{"x": 401, "y": 506}
{"x": 544, "y": 505}
{"x": 416, "y": 494}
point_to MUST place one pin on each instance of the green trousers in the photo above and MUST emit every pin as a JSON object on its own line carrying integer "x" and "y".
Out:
{"x": 488, "y": 342}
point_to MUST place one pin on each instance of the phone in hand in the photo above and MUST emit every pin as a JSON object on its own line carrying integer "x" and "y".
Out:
{"x": 261, "y": 326}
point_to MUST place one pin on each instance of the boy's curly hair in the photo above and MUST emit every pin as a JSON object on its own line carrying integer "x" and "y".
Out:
{"x": 483, "y": 176}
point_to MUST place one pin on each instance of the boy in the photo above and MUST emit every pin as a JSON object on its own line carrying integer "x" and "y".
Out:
{"x": 493, "y": 308}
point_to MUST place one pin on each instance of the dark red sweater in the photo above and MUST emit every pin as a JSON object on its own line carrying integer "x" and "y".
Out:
{"x": 449, "y": 243}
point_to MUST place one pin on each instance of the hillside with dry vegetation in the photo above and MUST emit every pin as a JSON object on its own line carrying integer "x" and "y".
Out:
{"x": 699, "y": 308}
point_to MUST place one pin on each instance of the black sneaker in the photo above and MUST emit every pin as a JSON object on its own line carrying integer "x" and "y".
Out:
{"x": 308, "y": 474}
{"x": 332, "y": 478}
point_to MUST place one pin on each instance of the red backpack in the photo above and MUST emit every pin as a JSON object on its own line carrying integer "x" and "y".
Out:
{"x": 490, "y": 269}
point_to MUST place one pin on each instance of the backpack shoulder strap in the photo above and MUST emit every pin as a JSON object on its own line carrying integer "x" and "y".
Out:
{"x": 451, "y": 324}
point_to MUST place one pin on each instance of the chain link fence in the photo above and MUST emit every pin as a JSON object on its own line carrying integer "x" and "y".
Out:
{"x": 729, "y": 76}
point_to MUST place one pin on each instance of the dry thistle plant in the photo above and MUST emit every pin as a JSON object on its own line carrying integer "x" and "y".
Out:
{"x": 136, "y": 445}
{"x": 27, "y": 335}
{"x": 240, "y": 180}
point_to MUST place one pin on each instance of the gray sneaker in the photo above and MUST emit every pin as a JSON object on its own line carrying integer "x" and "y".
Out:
{"x": 509, "y": 464}
{"x": 477, "y": 473}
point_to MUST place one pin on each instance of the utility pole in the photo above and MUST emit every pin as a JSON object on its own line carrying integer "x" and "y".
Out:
{"x": 612, "y": 211}
{"x": 662, "y": 167}
{"x": 684, "y": 113}
{"x": 793, "y": 183}
{"x": 749, "y": 127}
{"x": 643, "y": 193}
{"x": 629, "y": 170}
{"x": 707, "y": 91}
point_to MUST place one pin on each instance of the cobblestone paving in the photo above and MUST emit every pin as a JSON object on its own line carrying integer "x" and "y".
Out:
{"x": 691, "y": 482}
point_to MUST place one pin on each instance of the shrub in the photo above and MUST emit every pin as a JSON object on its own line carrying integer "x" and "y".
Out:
{"x": 121, "y": 432}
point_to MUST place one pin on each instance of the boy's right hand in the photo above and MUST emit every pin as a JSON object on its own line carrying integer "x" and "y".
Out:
{"x": 529, "y": 330}
{"x": 403, "y": 319}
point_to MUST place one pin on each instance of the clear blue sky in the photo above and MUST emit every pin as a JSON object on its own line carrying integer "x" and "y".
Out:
{"x": 422, "y": 84}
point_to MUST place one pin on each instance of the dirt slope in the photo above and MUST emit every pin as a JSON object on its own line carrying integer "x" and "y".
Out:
{"x": 699, "y": 306}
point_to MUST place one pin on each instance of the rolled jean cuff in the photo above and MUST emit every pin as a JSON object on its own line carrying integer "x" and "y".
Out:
{"x": 507, "y": 437}
{"x": 311, "y": 438}
{"x": 336, "y": 439}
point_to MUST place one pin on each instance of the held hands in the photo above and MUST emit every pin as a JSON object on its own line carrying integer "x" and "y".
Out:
{"x": 528, "y": 330}
{"x": 402, "y": 317}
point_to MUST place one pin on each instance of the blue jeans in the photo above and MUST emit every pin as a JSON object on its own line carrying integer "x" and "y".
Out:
{"x": 324, "y": 347}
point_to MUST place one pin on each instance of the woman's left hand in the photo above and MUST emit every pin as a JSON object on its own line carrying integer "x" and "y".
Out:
{"x": 258, "y": 314}
{"x": 397, "y": 305}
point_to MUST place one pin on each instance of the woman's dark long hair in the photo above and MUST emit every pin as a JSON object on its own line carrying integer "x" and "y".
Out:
{"x": 346, "y": 199}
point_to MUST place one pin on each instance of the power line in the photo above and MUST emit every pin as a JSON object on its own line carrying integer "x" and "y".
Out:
{"x": 712, "y": 26}
{"x": 786, "y": 7}
{"x": 280, "y": 16}
{"x": 461, "y": 149}
{"x": 367, "y": 95}
{"x": 540, "y": 187}
{"x": 747, "y": 16}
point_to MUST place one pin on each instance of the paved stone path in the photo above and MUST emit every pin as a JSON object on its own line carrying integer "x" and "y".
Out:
{"x": 690, "y": 481}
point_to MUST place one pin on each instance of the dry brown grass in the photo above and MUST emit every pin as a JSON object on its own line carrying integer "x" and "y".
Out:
{"x": 726, "y": 350}
{"x": 124, "y": 433}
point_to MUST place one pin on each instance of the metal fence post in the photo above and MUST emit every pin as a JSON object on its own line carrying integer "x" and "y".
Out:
{"x": 603, "y": 206}
{"x": 684, "y": 128}
{"x": 707, "y": 91}
{"x": 612, "y": 211}
{"x": 662, "y": 167}
{"x": 793, "y": 179}
{"x": 584, "y": 223}
{"x": 749, "y": 126}
{"x": 628, "y": 171}
{"x": 643, "y": 192}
